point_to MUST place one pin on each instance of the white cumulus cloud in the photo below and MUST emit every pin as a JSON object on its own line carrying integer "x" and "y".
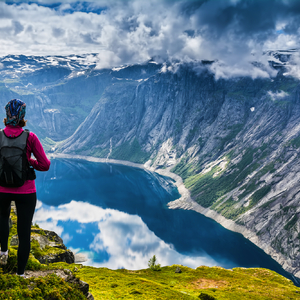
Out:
{"x": 277, "y": 95}
{"x": 231, "y": 33}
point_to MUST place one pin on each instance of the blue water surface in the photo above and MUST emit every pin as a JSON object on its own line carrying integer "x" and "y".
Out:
{"x": 116, "y": 216}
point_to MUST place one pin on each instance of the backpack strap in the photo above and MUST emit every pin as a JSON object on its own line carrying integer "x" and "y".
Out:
{"x": 30, "y": 172}
{"x": 27, "y": 132}
{"x": 2, "y": 136}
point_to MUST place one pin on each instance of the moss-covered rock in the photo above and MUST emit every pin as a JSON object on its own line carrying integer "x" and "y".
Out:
{"x": 46, "y": 250}
{"x": 44, "y": 287}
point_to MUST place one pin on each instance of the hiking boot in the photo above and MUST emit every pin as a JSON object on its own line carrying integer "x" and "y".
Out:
{"x": 3, "y": 259}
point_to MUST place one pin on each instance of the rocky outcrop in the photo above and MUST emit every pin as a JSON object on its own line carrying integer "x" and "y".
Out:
{"x": 47, "y": 242}
{"x": 66, "y": 256}
{"x": 47, "y": 238}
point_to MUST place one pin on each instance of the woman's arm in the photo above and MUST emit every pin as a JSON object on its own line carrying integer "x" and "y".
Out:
{"x": 41, "y": 162}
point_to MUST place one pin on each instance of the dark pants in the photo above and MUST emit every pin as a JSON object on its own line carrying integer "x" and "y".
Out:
{"x": 25, "y": 204}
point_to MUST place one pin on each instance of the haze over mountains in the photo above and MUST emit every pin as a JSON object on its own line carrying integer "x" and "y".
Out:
{"x": 234, "y": 140}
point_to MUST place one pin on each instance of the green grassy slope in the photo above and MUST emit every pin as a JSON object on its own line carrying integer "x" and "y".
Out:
{"x": 206, "y": 283}
{"x": 201, "y": 283}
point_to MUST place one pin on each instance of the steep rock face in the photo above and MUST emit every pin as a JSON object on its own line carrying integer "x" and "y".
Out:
{"x": 234, "y": 142}
{"x": 151, "y": 110}
{"x": 197, "y": 113}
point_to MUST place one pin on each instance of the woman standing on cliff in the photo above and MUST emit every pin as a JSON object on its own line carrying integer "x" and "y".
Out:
{"x": 24, "y": 195}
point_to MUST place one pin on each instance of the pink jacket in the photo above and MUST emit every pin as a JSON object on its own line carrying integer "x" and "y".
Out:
{"x": 40, "y": 163}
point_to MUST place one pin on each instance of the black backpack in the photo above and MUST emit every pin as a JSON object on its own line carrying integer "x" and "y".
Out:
{"x": 14, "y": 166}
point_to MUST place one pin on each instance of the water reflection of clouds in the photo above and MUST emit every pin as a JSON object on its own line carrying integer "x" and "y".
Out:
{"x": 118, "y": 240}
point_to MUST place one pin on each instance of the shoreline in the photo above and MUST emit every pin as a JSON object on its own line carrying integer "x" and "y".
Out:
{"x": 187, "y": 203}
{"x": 184, "y": 202}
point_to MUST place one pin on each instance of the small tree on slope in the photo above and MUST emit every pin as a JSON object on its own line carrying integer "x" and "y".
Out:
{"x": 153, "y": 265}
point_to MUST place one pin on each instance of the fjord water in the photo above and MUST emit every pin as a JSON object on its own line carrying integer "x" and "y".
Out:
{"x": 117, "y": 217}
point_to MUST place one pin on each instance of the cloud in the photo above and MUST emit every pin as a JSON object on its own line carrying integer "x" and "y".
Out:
{"x": 232, "y": 33}
{"x": 277, "y": 95}
{"x": 222, "y": 69}
{"x": 67, "y": 238}
{"x": 57, "y": 32}
{"x": 293, "y": 68}
{"x": 17, "y": 27}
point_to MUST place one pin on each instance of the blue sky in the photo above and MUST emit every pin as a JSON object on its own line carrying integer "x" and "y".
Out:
{"x": 232, "y": 32}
